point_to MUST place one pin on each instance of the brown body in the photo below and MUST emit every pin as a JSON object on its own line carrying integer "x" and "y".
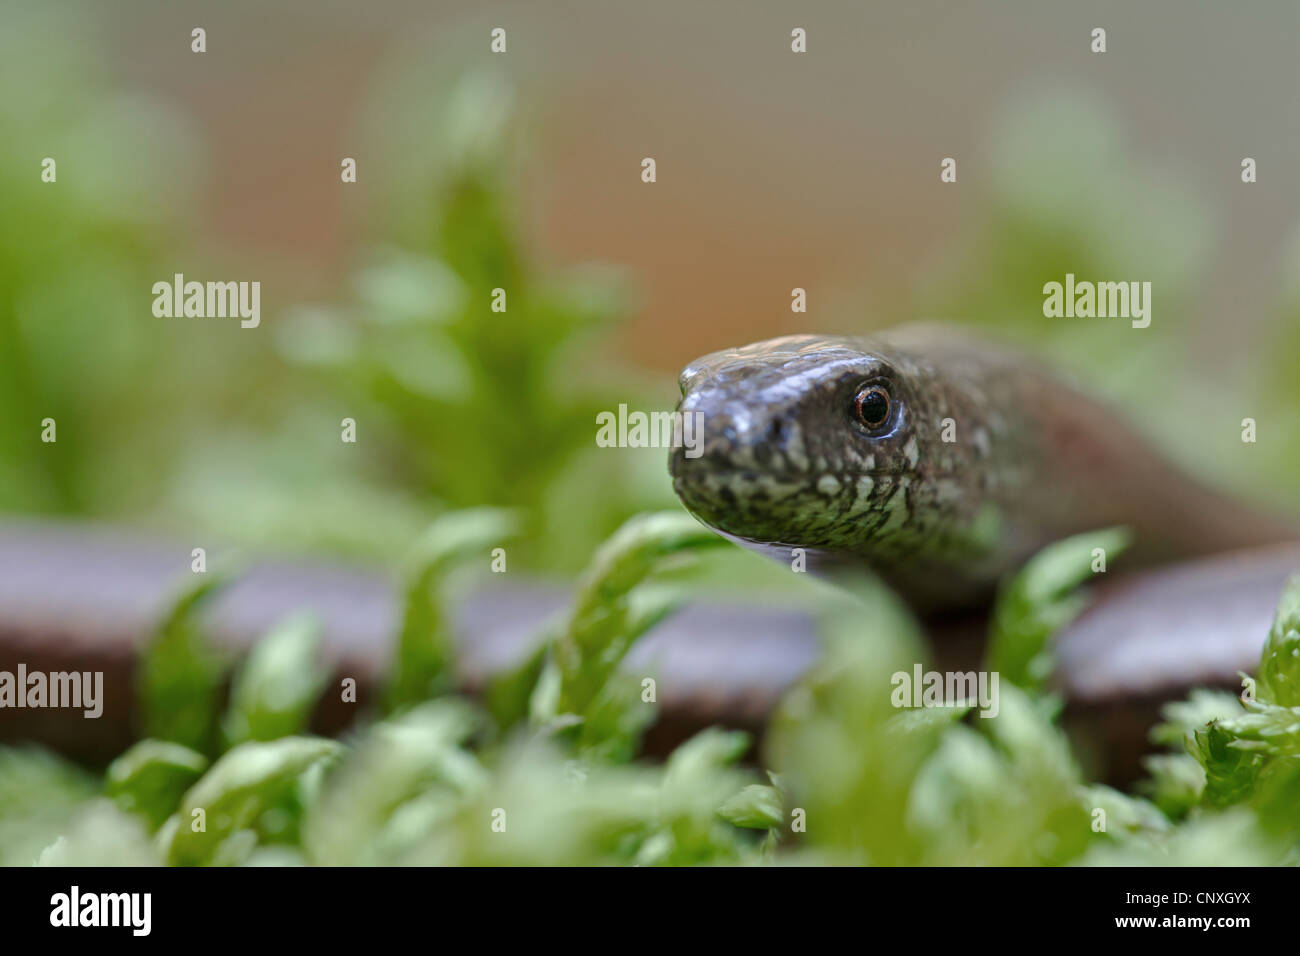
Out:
{"x": 986, "y": 459}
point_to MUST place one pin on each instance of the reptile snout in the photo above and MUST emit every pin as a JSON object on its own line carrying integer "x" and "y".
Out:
{"x": 742, "y": 478}
{"x": 762, "y": 412}
{"x": 729, "y": 436}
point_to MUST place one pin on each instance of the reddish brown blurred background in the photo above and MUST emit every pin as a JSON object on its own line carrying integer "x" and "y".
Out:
{"x": 775, "y": 170}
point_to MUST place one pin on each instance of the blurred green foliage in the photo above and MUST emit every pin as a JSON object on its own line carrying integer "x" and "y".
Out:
{"x": 456, "y": 404}
{"x": 1126, "y": 216}
{"x": 480, "y": 394}
{"x": 1043, "y": 599}
{"x": 616, "y": 603}
{"x": 424, "y": 646}
{"x": 77, "y": 258}
{"x": 444, "y": 780}
{"x": 278, "y": 684}
{"x": 179, "y": 679}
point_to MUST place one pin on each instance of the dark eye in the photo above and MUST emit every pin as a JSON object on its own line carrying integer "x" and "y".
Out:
{"x": 872, "y": 406}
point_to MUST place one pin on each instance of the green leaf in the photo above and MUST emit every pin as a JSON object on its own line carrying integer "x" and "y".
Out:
{"x": 1040, "y": 600}
{"x": 1176, "y": 783}
{"x": 1275, "y": 801}
{"x": 922, "y": 719}
{"x": 1230, "y": 771}
{"x": 1004, "y": 791}
{"x": 150, "y": 778}
{"x": 1182, "y": 718}
{"x": 1025, "y": 730}
{"x": 100, "y": 834}
{"x": 416, "y": 756}
{"x": 1279, "y": 664}
{"x": 278, "y": 684}
{"x": 1267, "y": 728}
{"x": 1125, "y": 815}
{"x": 236, "y": 792}
{"x": 617, "y": 716}
{"x": 180, "y": 676}
{"x": 32, "y": 778}
{"x": 544, "y": 701}
{"x": 425, "y": 644}
{"x": 699, "y": 778}
{"x": 957, "y": 791}
{"x": 707, "y": 751}
{"x": 1222, "y": 839}
{"x": 39, "y": 793}
{"x": 509, "y": 693}
{"x": 610, "y": 610}
{"x": 757, "y": 806}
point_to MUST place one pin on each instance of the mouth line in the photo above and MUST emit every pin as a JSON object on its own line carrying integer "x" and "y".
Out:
{"x": 752, "y": 474}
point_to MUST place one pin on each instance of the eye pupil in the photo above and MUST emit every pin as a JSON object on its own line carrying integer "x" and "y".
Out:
{"x": 872, "y": 406}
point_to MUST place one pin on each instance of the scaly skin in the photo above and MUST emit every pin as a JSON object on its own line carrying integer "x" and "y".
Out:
{"x": 1027, "y": 460}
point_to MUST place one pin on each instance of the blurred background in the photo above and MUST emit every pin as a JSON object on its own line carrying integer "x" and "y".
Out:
{"x": 522, "y": 170}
